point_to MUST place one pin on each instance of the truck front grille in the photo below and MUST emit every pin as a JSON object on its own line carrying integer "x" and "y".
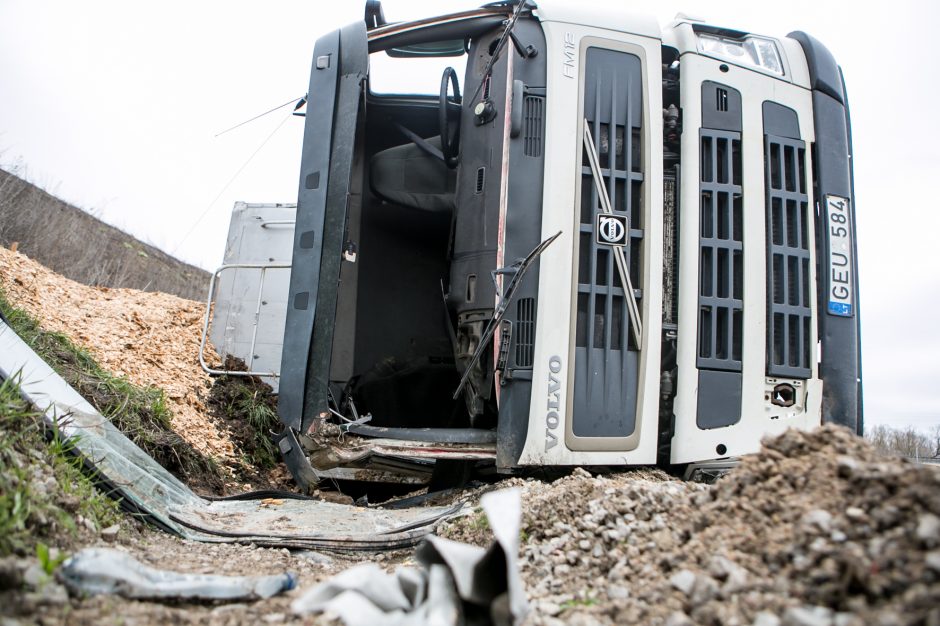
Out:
{"x": 721, "y": 246}
{"x": 604, "y": 396}
{"x": 788, "y": 258}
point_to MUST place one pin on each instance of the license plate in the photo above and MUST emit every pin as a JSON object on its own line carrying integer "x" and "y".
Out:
{"x": 839, "y": 232}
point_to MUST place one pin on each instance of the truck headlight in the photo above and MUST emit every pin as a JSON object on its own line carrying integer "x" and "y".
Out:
{"x": 750, "y": 50}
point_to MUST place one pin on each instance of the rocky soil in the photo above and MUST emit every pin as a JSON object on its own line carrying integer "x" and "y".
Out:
{"x": 816, "y": 529}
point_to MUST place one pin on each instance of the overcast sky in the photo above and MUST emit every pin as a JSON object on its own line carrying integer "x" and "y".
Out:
{"x": 113, "y": 106}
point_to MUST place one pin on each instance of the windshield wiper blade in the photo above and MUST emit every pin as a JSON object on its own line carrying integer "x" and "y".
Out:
{"x": 510, "y": 24}
{"x": 517, "y": 270}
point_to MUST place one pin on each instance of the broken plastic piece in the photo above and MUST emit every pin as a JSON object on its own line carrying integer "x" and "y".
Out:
{"x": 102, "y": 570}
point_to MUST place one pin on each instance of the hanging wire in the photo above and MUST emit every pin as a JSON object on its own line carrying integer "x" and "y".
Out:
{"x": 228, "y": 184}
{"x": 299, "y": 102}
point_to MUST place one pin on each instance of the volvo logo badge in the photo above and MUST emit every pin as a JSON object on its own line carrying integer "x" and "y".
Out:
{"x": 611, "y": 229}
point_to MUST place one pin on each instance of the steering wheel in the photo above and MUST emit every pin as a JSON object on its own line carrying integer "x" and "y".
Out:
{"x": 449, "y": 117}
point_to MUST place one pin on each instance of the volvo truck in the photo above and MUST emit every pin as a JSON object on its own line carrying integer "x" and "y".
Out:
{"x": 544, "y": 234}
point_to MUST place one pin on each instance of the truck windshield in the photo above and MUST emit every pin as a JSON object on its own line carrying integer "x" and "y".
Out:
{"x": 410, "y": 75}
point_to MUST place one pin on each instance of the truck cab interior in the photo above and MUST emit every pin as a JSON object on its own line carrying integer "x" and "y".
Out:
{"x": 420, "y": 236}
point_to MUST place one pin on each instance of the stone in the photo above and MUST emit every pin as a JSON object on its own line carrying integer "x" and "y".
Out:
{"x": 322, "y": 559}
{"x": 855, "y": 514}
{"x": 817, "y": 519}
{"x": 704, "y": 589}
{"x": 546, "y": 607}
{"x": 766, "y": 618}
{"x": 683, "y": 580}
{"x": 807, "y": 616}
{"x": 848, "y": 619}
{"x": 933, "y": 560}
{"x": 678, "y": 618}
{"x": 34, "y": 576}
{"x": 928, "y": 529}
{"x": 111, "y": 532}
{"x": 53, "y": 593}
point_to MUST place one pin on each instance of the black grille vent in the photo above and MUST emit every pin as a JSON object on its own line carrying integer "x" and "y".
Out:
{"x": 604, "y": 398}
{"x": 721, "y": 99}
{"x": 721, "y": 245}
{"x": 481, "y": 180}
{"x": 525, "y": 332}
{"x": 532, "y": 113}
{"x": 788, "y": 258}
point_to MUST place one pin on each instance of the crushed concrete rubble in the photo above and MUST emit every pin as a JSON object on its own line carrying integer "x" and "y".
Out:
{"x": 818, "y": 528}
{"x": 456, "y": 584}
{"x": 150, "y": 338}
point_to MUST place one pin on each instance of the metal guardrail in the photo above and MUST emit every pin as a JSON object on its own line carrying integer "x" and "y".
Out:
{"x": 264, "y": 267}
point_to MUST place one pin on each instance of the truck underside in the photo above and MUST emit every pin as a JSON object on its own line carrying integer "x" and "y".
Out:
{"x": 600, "y": 244}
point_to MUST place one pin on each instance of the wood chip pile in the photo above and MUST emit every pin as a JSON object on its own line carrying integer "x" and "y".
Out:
{"x": 150, "y": 338}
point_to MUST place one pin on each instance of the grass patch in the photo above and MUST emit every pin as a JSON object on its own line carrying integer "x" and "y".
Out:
{"x": 42, "y": 487}
{"x": 578, "y": 602}
{"x": 139, "y": 412}
{"x": 248, "y": 408}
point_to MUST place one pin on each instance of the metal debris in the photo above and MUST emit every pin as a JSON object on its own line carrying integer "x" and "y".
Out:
{"x": 147, "y": 488}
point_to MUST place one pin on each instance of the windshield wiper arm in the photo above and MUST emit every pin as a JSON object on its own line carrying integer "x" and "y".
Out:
{"x": 517, "y": 270}
{"x": 510, "y": 24}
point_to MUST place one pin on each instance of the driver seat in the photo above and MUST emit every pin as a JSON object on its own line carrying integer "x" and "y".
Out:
{"x": 409, "y": 176}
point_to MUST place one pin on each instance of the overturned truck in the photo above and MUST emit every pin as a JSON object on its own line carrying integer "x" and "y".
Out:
{"x": 594, "y": 243}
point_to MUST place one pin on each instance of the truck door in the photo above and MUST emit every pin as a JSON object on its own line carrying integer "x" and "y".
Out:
{"x": 340, "y": 65}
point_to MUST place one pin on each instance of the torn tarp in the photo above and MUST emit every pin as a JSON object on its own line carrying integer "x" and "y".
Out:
{"x": 148, "y": 489}
{"x": 456, "y": 584}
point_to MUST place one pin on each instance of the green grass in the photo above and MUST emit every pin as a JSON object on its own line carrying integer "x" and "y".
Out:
{"x": 249, "y": 409}
{"x": 139, "y": 412}
{"x": 42, "y": 486}
{"x": 578, "y": 602}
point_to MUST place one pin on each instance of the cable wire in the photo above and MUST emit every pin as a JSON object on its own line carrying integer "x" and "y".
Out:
{"x": 280, "y": 106}
{"x": 227, "y": 185}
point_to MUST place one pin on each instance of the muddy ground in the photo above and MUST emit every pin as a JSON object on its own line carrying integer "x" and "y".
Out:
{"x": 816, "y": 529}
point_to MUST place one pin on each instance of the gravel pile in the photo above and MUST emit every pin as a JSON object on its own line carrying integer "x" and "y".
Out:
{"x": 816, "y": 529}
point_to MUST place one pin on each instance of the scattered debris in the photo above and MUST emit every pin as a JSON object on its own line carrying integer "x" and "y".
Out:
{"x": 457, "y": 584}
{"x": 105, "y": 571}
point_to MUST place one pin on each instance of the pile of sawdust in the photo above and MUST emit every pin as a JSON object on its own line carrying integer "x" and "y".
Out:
{"x": 150, "y": 338}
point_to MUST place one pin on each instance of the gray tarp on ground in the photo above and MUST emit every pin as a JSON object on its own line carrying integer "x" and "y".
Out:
{"x": 156, "y": 493}
{"x": 458, "y": 584}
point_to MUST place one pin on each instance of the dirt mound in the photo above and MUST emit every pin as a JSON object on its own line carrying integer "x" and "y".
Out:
{"x": 817, "y": 528}
{"x": 149, "y": 338}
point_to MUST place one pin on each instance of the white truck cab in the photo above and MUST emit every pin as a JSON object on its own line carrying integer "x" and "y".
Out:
{"x": 602, "y": 243}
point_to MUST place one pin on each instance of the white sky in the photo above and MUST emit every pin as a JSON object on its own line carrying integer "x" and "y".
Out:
{"x": 112, "y": 105}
